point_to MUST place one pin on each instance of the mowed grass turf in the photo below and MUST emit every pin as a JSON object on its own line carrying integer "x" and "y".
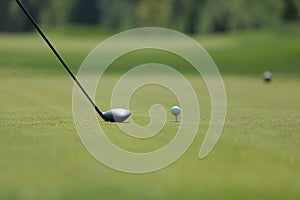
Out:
{"x": 257, "y": 156}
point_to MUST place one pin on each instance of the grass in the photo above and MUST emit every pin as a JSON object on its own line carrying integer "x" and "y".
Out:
{"x": 257, "y": 156}
{"x": 239, "y": 54}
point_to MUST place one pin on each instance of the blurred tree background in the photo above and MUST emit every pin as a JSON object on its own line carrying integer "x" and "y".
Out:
{"x": 189, "y": 16}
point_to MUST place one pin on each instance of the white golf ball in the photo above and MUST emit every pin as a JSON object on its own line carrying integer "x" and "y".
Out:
{"x": 267, "y": 76}
{"x": 175, "y": 110}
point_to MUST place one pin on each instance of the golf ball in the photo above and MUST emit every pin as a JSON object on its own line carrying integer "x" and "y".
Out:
{"x": 175, "y": 110}
{"x": 267, "y": 76}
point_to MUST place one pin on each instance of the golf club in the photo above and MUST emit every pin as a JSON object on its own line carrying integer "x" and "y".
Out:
{"x": 114, "y": 115}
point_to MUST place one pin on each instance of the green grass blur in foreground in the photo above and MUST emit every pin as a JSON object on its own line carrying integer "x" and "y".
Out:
{"x": 257, "y": 156}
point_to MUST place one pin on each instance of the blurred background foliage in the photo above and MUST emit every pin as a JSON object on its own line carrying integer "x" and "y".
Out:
{"x": 189, "y": 16}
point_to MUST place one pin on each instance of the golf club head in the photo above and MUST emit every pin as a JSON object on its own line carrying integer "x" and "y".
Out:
{"x": 116, "y": 115}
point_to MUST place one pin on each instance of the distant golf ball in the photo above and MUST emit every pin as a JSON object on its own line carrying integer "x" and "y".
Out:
{"x": 267, "y": 76}
{"x": 175, "y": 110}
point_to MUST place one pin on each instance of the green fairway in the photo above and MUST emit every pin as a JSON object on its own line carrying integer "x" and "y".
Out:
{"x": 239, "y": 54}
{"x": 257, "y": 156}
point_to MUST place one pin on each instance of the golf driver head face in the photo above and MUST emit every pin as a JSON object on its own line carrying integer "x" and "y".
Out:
{"x": 117, "y": 115}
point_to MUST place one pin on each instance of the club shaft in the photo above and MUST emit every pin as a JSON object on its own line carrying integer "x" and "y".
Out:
{"x": 21, "y": 5}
